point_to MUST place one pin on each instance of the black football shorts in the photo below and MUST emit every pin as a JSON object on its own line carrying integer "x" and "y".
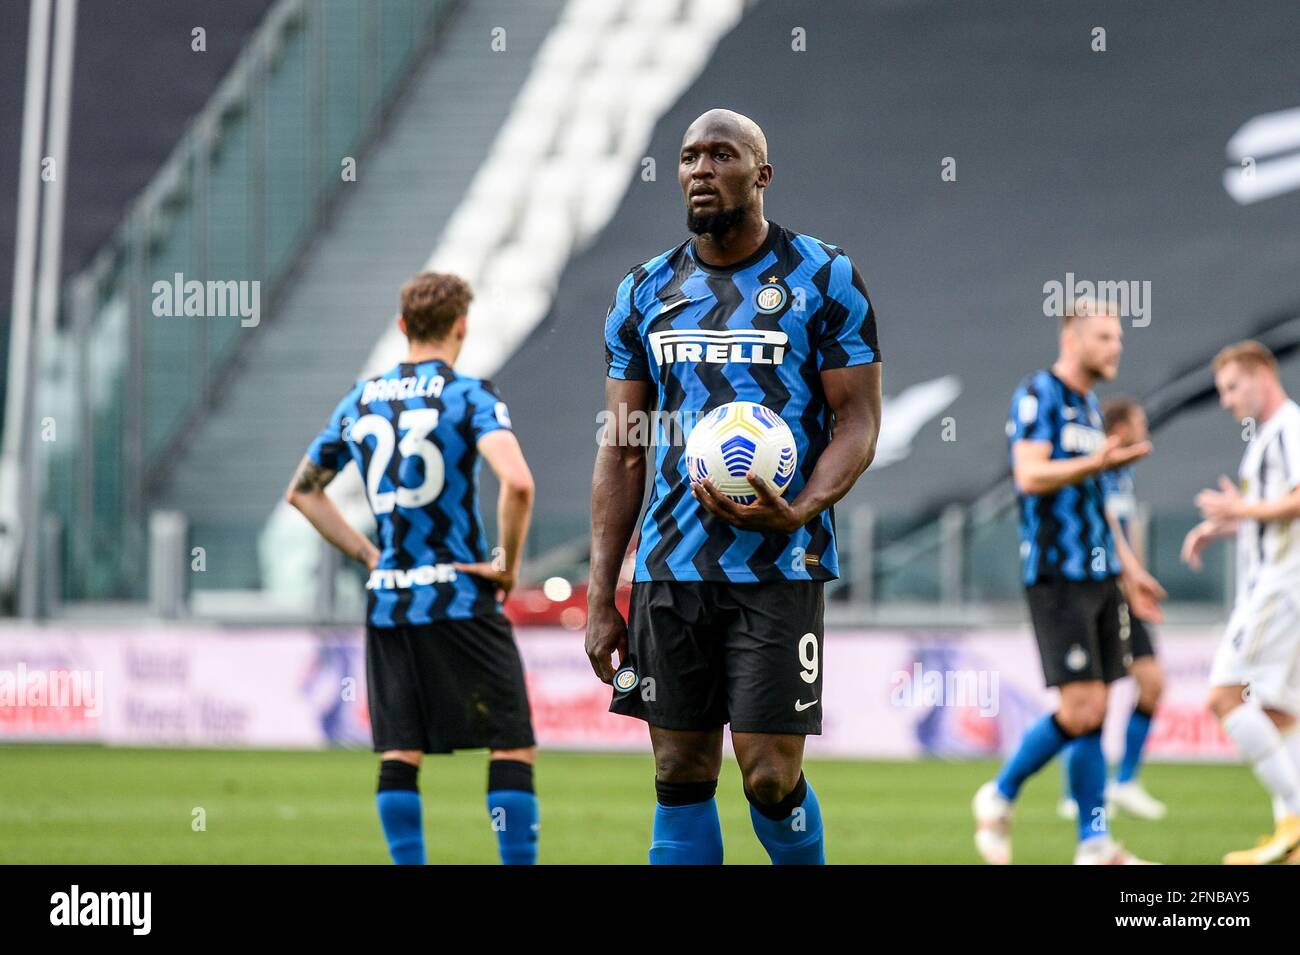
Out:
{"x": 448, "y": 685}
{"x": 703, "y": 654}
{"x": 1083, "y": 630}
{"x": 1141, "y": 641}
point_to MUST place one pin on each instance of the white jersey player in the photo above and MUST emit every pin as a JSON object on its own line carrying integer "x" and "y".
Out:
{"x": 1255, "y": 679}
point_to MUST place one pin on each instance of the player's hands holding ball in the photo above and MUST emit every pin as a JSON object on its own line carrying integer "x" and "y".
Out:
{"x": 749, "y": 439}
{"x": 770, "y": 512}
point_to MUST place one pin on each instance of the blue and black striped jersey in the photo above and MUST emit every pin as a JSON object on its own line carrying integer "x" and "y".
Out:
{"x": 1065, "y": 534}
{"x": 413, "y": 432}
{"x": 760, "y": 330}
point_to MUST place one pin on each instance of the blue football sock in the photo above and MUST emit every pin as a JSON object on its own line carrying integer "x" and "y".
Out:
{"x": 1135, "y": 738}
{"x": 398, "y": 800}
{"x": 686, "y": 829}
{"x": 512, "y": 807}
{"x": 514, "y": 817}
{"x": 791, "y": 831}
{"x": 1088, "y": 783}
{"x": 1065, "y": 773}
{"x": 1043, "y": 741}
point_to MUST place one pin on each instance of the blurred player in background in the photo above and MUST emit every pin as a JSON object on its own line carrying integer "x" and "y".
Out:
{"x": 442, "y": 669}
{"x": 726, "y": 612}
{"x": 1124, "y": 418}
{"x": 1255, "y": 679}
{"x": 1072, "y": 563}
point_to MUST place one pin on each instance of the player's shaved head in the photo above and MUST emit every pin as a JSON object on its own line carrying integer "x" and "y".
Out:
{"x": 731, "y": 125}
{"x": 723, "y": 170}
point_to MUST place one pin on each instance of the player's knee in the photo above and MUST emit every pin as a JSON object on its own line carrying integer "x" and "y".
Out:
{"x": 680, "y": 765}
{"x": 1150, "y": 689}
{"x": 411, "y": 757}
{"x": 526, "y": 755}
{"x": 1079, "y": 722}
{"x": 1082, "y": 717}
{"x": 769, "y": 783}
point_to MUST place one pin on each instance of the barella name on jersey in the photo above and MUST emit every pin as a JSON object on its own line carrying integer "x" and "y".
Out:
{"x": 399, "y": 389}
{"x": 750, "y": 346}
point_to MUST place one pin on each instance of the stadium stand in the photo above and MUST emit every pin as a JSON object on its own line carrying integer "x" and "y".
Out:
{"x": 123, "y": 125}
{"x": 343, "y": 294}
{"x": 115, "y": 149}
{"x": 241, "y": 197}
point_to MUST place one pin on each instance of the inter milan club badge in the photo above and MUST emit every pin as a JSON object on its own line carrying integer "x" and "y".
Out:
{"x": 771, "y": 296}
{"x": 625, "y": 680}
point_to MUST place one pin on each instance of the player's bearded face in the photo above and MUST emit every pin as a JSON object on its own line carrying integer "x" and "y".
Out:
{"x": 713, "y": 221}
{"x": 718, "y": 178}
{"x": 1100, "y": 347}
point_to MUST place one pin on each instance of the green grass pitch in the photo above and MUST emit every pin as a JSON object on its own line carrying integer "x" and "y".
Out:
{"x": 95, "y": 805}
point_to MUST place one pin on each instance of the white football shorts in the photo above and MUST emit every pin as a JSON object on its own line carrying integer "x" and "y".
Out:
{"x": 1261, "y": 649}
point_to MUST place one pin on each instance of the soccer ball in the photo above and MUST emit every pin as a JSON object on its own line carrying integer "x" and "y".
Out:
{"x": 736, "y": 438}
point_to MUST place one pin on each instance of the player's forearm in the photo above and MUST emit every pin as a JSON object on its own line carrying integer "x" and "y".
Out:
{"x": 1128, "y": 558}
{"x": 330, "y": 523}
{"x": 514, "y": 514}
{"x": 1137, "y": 541}
{"x": 1048, "y": 477}
{"x": 617, "y": 486}
{"x": 1214, "y": 529}
{"x": 1283, "y": 509}
{"x": 850, "y": 452}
